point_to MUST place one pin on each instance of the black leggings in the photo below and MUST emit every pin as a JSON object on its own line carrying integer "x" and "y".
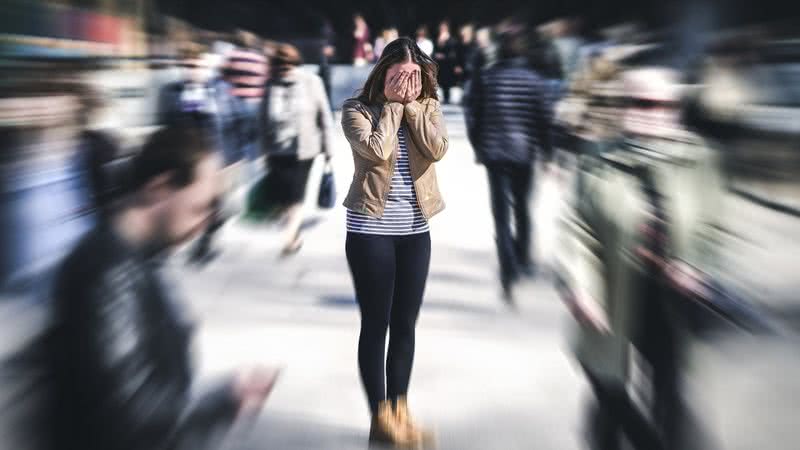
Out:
{"x": 389, "y": 274}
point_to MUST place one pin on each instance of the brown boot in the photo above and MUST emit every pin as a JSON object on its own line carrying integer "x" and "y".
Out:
{"x": 385, "y": 429}
{"x": 413, "y": 432}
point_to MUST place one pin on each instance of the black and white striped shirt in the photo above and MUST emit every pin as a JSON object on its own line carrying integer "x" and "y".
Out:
{"x": 402, "y": 215}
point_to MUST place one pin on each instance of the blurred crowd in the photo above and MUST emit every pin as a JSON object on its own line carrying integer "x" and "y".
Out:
{"x": 648, "y": 135}
{"x": 652, "y": 142}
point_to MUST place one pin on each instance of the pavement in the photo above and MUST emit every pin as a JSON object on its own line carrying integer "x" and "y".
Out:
{"x": 485, "y": 377}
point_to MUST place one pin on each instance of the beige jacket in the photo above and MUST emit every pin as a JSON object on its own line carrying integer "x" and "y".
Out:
{"x": 372, "y": 133}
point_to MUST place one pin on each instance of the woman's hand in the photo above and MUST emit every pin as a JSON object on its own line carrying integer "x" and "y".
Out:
{"x": 588, "y": 312}
{"x": 414, "y": 87}
{"x": 251, "y": 387}
{"x": 395, "y": 88}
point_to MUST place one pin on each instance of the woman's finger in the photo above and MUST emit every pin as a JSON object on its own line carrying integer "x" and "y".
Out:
{"x": 392, "y": 81}
{"x": 395, "y": 82}
{"x": 403, "y": 79}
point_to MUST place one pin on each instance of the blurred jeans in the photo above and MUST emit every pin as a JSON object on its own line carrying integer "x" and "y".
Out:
{"x": 510, "y": 187}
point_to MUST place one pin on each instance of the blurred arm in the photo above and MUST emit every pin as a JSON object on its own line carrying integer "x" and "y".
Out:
{"x": 324, "y": 117}
{"x": 147, "y": 397}
{"x": 545, "y": 124}
{"x": 426, "y": 126}
{"x": 582, "y": 263}
{"x": 373, "y": 143}
{"x": 473, "y": 108}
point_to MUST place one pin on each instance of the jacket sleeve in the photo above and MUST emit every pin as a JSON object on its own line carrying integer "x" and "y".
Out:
{"x": 426, "y": 126}
{"x": 150, "y": 409}
{"x": 580, "y": 257}
{"x": 324, "y": 117}
{"x": 373, "y": 143}
{"x": 549, "y": 93}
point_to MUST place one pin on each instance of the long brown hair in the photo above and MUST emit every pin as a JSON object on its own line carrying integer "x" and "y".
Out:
{"x": 399, "y": 51}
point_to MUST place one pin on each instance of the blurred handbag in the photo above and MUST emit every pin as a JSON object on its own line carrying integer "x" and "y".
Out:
{"x": 327, "y": 188}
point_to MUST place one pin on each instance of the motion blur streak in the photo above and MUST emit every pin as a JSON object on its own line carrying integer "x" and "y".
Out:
{"x": 641, "y": 200}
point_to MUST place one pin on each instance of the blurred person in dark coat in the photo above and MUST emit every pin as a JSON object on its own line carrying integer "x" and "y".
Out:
{"x": 445, "y": 53}
{"x": 465, "y": 54}
{"x": 100, "y": 154}
{"x": 119, "y": 352}
{"x": 508, "y": 115}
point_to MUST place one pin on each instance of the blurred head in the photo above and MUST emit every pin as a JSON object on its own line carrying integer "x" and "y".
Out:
{"x": 483, "y": 37}
{"x": 175, "y": 182}
{"x": 285, "y": 58}
{"x": 422, "y": 32}
{"x": 401, "y": 54}
{"x": 359, "y": 21}
{"x": 246, "y": 39}
{"x": 390, "y": 34}
{"x": 654, "y": 95}
{"x": 601, "y": 85}
{"x": 512, "y": 43}
{"x": 467, "y": 33}
{"x": 196, "y": 64}
{"x": 444, "y": 27}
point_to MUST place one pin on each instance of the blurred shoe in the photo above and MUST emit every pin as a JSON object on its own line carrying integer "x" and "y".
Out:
{"x": 507, "y": 283}
{"x": 385, "y": 429}
{"x": 528, "y": 270}
{"x": 292, "y": 248}
{"x": 203, "y": 253}
{"x": 413, "y": 432}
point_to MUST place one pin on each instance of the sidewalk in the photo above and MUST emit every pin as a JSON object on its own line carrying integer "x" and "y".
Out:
{"x": 485, "y": 377}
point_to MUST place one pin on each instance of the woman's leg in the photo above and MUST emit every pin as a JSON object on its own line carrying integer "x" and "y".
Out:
{"x": 372, "y": 265}
{"x": 296, "y": 190}
{"x": 413, "y": 261}
{"x": 292, "y": 236}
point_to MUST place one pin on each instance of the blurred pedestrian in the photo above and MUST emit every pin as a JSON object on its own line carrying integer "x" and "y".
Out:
{"x": 508, "y": 116}
{"x": 486, "y": 55}
{"x": 465, "y": 54}
{"x": 245, "y": 70}
{"x": 635, "y": 264}
{"x": 119, "y": 353}
{"x": 327, "y": 53}
{"x": 567, "y": 42}
{"x": 207, "y": 102}
{"x": 107, "y": 170}
{"x": 423, "y": 42}
{"x": 297, "y": 127}
{"x": 397, "y": 133}
{"x": 445, "y": 54}
{"x": 362, "y": 46}
{"x": 387, "y": 36}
